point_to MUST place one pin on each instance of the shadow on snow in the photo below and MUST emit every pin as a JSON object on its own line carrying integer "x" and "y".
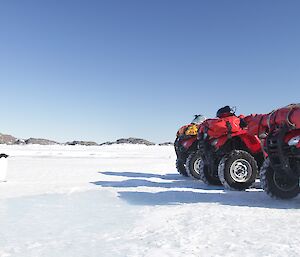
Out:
{"x": 174, "y": 197}
{"x": 174, "y": 181}
{"x": 143, "y": 175}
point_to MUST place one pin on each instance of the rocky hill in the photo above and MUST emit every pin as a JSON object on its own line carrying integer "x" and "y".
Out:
{"x": 130, "y": 140}
{"x": 7, "y": 139}
{"x": 11, "y": 140}
{"x": 40, "y": 141}
{"x": 87, "y": 143}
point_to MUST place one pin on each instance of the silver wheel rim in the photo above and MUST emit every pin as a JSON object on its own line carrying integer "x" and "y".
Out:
{"x": 197, "y": 165}
{"x": 240, "y": 170}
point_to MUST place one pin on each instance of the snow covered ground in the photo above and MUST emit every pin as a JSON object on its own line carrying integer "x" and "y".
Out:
{"x": 128, "y": 200}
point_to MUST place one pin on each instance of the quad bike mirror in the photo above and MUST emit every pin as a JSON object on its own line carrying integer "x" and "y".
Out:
{"x": 198, "y": 119}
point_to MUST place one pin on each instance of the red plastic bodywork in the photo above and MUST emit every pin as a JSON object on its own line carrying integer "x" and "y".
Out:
{"x": 217, "y": 131}
{"x": 252, "y": 142}
{"x": 188, "y": 142}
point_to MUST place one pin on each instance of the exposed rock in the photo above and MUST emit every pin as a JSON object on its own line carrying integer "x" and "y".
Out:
{"x": 20, "y": 142}
{"x": 133, "y": 140}
{"x": 40, "y": 141}
{"x": 130, "y": 140}
{"x": 166, "y": 143}
{"x": 7, "y": 139}
{"x": 10, "y": 140}
{"x": 87, "y": 143}
{"x": 107, "y": 143}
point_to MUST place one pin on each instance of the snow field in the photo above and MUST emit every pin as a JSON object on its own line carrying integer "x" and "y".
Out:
{"x": 128, "y": 200}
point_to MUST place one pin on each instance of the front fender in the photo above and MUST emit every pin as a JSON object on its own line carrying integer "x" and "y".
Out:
{"x": 252, "y": 143}
{"x": 188, "y": 142}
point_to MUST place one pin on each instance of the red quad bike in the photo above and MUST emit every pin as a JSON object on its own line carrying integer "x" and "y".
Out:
{"x": 186, "y": 143}
{"x": 280, "y": 172}
{"x": 227, "y": 154}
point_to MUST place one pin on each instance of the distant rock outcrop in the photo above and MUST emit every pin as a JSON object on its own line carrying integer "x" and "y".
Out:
{"x": 87, "y": 143}
{"x": 166, "y": 143}
{"x": 20, "y": 142}
{"x": 7, "y": 139}
{"x": 10, "y": 140}
{"x": 133, "y": 140}
{"x": 40, "y": 141}
{"x": 130, "y": 140}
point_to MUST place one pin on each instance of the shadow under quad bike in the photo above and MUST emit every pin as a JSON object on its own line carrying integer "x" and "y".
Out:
{"x": 186, "y": 143}
{"x": 227, "y": 154}
{"x": 280, "y": 172}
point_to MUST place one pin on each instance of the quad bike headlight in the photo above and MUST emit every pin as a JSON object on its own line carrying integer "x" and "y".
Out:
{"x": 294, "y": 141}
{"x": 214, "y": 142}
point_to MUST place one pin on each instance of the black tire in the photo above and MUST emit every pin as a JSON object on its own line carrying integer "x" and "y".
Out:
{"x": 276, "y": 186}
{"x": 181, "y": 167}
{"x": 207, "y": 177}
{"x": 237, "y": 170}
{"x": 192, "y": 165}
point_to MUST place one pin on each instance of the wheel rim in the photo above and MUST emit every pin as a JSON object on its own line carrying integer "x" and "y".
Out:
{"x": 240, "y": 170}
{"x": 197, "y": 165}
{"x": 285, "y": 184}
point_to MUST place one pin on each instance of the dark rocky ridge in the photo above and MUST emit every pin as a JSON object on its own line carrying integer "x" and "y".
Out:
{"x": 87, "y": 143}
{"x": 11, "y": 140}
{"x": 166, "y": 143}
{"x": 130, "y": 140}
{"x": 40, "y": 141}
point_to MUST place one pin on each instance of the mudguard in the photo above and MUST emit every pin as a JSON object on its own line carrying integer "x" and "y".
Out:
{"x": 188, "y": 142}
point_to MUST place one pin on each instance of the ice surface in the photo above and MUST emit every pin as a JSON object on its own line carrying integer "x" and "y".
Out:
{"x": 129, "y": 201}
{"x": 79, "y": 224}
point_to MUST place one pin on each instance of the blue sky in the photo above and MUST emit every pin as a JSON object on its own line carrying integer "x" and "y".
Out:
{"x": 101, "y": 70}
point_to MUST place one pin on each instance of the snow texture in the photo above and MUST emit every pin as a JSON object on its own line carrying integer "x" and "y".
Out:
{"x": 128, "y": 200}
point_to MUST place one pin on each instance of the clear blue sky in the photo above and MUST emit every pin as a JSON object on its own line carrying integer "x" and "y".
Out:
{"x": 101, "y": 70}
